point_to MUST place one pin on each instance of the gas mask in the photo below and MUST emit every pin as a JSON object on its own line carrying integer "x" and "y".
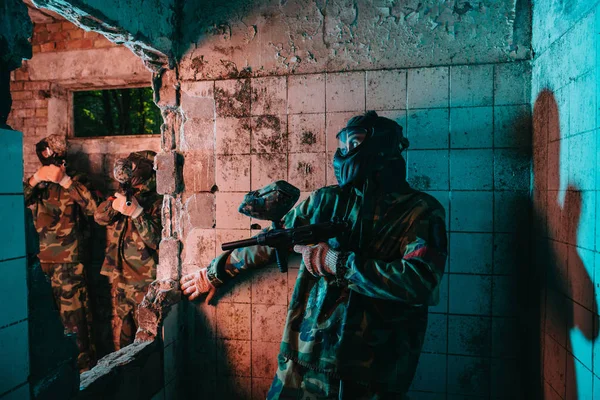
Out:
{"x": 52, "y": 150}
{"x": 366, "y": 145}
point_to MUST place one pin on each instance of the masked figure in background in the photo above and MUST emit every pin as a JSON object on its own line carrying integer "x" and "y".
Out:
{"x": 61, "y": 205}
{"x": 357, "y": 318}
{"x": 133, "y": 232}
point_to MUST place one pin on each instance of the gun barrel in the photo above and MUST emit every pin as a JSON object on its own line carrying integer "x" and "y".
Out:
{"x": 239, "y": 244}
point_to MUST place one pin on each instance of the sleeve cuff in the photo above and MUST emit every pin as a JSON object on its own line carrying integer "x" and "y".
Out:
{"x": 138, "y": 212}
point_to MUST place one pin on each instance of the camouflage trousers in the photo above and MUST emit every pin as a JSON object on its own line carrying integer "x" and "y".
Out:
{"x": 295, "y": 382}
{"x": 125, "y": 300}
{"x": 69, "y": 288}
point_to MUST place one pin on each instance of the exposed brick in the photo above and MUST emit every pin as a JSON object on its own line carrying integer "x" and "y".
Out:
{"x": 76, "y": 34}
{"x": 166, "y": 172}
{"x": 67, "y": 26}
{"x": 22, "y": 113}
{"x": 167, "y": 92}
{"x": 90, "y": 34}
{"x": 15, "y": 86}
{"x": 41, "y": 112}
{"x": 58, "y": 36}
{"x": 61, "y": 46}
{"x": 55, "y": 27}
{"x": 36, "y": 49}
{"x": 169, "y": 259}
{"x": 36, "y": 86}
{"x": 21, "y": 75}
{"x": 102, "y": 42}
{"x": 80, "y": 44}
{"x": 22, "y": 95}
{"x": 47, "y": 47}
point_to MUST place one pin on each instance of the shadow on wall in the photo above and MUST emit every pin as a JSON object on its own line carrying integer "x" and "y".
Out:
{"x": 564, "y": 292}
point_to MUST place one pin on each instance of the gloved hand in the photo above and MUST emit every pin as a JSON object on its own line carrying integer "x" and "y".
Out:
{"x": 134, "y": 210}
{"x": 319, "y": 259}
{"x": 51, "y": 173}
{"x": 196, "y": 284}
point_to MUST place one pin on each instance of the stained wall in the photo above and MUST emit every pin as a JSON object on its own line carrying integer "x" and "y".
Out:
{"x": 566, "y": 205}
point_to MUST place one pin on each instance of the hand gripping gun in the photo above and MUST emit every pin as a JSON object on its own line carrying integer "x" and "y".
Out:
{"x": 271, "y": 203}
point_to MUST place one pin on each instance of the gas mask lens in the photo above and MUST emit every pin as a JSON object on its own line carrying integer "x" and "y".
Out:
{"x": 351, "y": 138}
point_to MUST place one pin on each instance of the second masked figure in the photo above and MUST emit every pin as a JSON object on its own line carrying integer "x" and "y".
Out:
{"x": 133, "y": 229}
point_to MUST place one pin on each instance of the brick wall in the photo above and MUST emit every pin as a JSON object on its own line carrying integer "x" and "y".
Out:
{"x": 470, "y": 138}
{"x": 565, "y": 197}
{"x": 14, "y": 335}
{"x": 63, "y": 36}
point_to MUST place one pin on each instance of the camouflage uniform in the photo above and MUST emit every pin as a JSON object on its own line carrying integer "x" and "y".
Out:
{"x": 60, "y": 217}
{"x": 365, "y": 326}
{"x": 131, "y": 257}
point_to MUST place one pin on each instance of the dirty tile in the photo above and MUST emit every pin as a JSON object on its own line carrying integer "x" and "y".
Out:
{"x": 233, "y": 357}
{"x": 306, "y": 133}
{"x": 267, "y": 168}
{"x": 555, "y": 357}
{"x": 512, "y": 126}
{"x": 197, "y": 107}
{"x": 306, "y": 171}
{"x": 470, "y": 294}
{"x": 264, "y": 359}
{"x": 508, "y": 253}
{"x": 269, "y": 134}
{"x": 510, "y": 210}
{"x": 306, "y": 94}
{"x": 233, "y": 321}
{"x": 200, "y": 208}
{"x": 269, "y": 95}
{"x": 428, "y": 129}
{"x": 512, "y": 169}
{"x": 233, "y": 173}
{"x": 469, "y": 336}
{"x": 512, "y": 83}
{"x": 268, "y": 322}
{"x": 471, "y": 169}
{"x": 269, "y": 286}
{"x": 260, "y": 387}
{"x": 232, "y": 98}
{"x": 436, "y": 334}
{"x": 335, "y": 122}
{"x": 233, "y": 135}
{"x": 505, "y": 299}
{"x": 469, "y": 375}
{"x": 199, "y": 247}
{"x": 428, "y": 169}
{"x": 431, "y": 373}
{"x": 470, "y": 253}
{"x": 471, "y": 127}
{"x": 228, "y": 216}
{"x": 471, "y": 85}
{"x": 506, "y": 378}
{"x": 428, "y": 87}
{"x": 199, "y": 171}
{"x": 442, "y": 306}
{"x": 471, "y": 211}
{"x": 234, "y": 387}
{"x": 386, "y": 90}
{"x": 345, "y": 91}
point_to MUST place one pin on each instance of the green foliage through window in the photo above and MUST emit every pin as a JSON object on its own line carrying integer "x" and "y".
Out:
{"x": 116, "y": 112}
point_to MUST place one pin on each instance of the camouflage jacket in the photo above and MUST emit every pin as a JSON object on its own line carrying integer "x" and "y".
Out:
{"x": 367, "y": 325}
{"x": 60, "y": 218}
{"x": 132, "y": 243}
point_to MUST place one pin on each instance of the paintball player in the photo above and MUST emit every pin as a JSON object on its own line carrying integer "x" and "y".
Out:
{"x": 357, "y": 318}
{"x": 61, "y": 205}
{"x": 133, "y": 232}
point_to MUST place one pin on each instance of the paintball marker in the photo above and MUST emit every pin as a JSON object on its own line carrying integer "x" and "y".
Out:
{"x": 271, "y": 203}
